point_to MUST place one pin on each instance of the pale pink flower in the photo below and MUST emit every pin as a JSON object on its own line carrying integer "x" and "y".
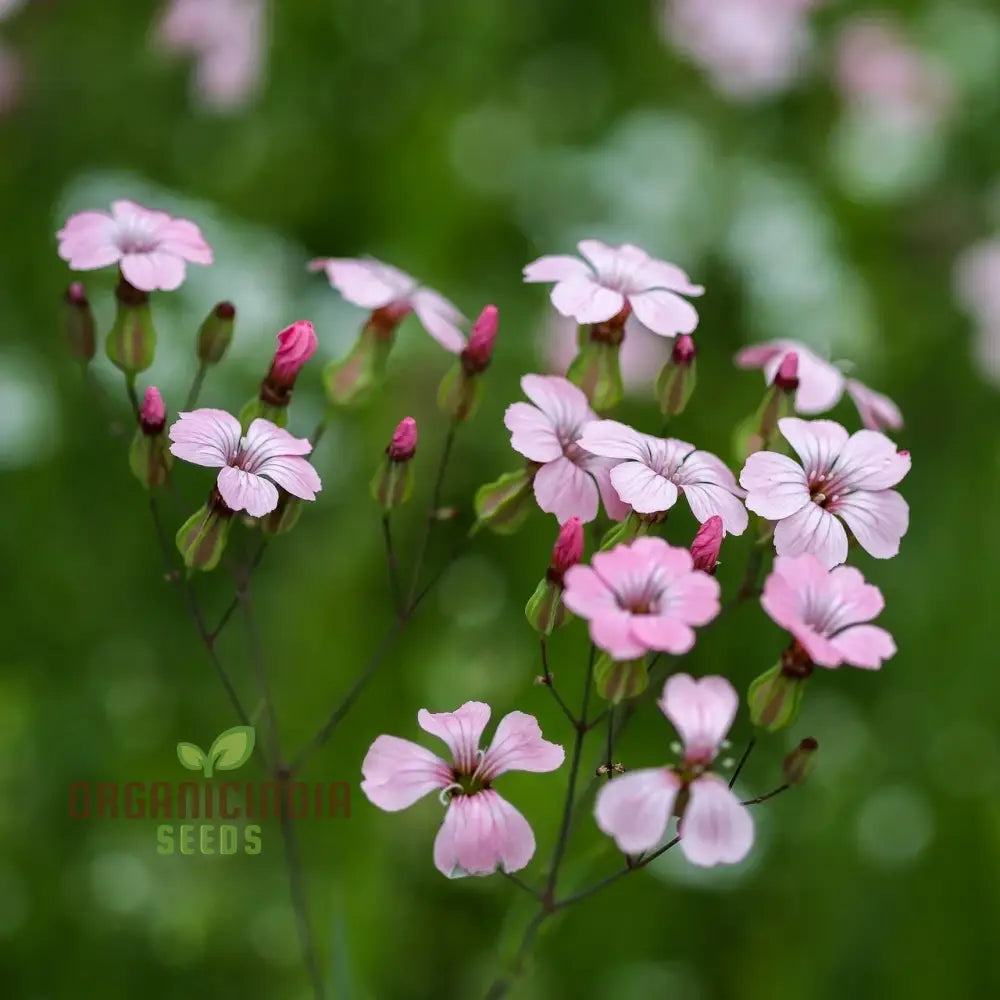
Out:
{"x": 825, "y": 610}
{"x": 650, "y": 473}
{"x": 296, "y": 345}
{"x": 482, "y": 832}
{"x": 373, "y": 285}
{"x": 613, "y": 278}
{"x": 253, "y": 465}
{"x": 642, "y": 596}
{"x": 841, "y": 476}
{"x": 150, "y": 247}
{"x": 707, "y": 543}
{"x": 749, "y": 48}
{"x": 821, "y": 383}
{"x": 715, "y": 827}
{"x": 227, "y": 39}
{"x": 570, "y": 479}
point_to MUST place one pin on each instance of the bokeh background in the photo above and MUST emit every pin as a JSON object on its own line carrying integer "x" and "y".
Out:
{"x": 829, "y": 185}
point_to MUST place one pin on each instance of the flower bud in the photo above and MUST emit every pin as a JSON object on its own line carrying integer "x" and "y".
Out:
{"x": 799, "y": 763}
{"x": 504, "y": 504}
{"x": 79, "y": 321}
{"x": 216, "y": 333}
{"x": 596, "y": 370}
{"x": 568, "y": 549}
{"x": 201, "y": 539}
{"x": 393, "y": 480}
{"x": 617, "y": 680}
{"x": 623, "y": 532}
{"x": 678, "y": 377}
{"x": 707, "y": 543}
{"x": 352, "y": 379}
{"x": 131, "y": 342}
{"x": 545, "y": 611}
{"x": 775, "y": 698}
{"x": 153, "y": 412}
{"x": 296, "y": 345}
{"x": 284, "y": 517}
{"x": 759, "y": 433}
{"x": 149, "y": 455}
{"x": 479, "y": 351}
{"x": 787, "y": 376}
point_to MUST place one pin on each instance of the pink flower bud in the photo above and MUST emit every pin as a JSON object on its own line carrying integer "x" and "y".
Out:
{"x": 706, "y": 544}
{"x": 787, "y": 376}
{"x": 684, "y": 351}
{"x": 152, "y": 413}
{"x": 296, "y": 345}
{"x": 77, "y": 294}
{"x": 403, "y": 445}
{"x": 568, "y": 549}
{"x": 477, "y": 354}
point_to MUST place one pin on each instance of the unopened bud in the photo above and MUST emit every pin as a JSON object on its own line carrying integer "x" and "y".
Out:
{"x": 149, "y": 455}
{"x": 684, "y": 351}
{"x": 678, "y": 377}
{"x": 597, "y": 371}
{"x": 201, "y": 539}
{"x": 79, "y": 320}
{"x": 153, "y": 412}
{"x": 503, "y": 505}
{"x": 284, "y": 517}
{"x": 403, "y": 445}
{"x": 392, "y": 483}
{"x": 352, "y": 379}
{"x": 568, "y": 549}
{"x": 800, "y": 762}
{"x": 479, "y": 351}
{"x": 707, "y": 543}
{"x": 775, "y": 698}
{"x": 216, "y": 333}
{"x": 544, "y": 610}
{"x": 296, "y": 345}
{"x": 623, "y": 532}
{"x": 617, "y": 680}
{"x": 787, "y": 376}
{"x": 131, "y": 342}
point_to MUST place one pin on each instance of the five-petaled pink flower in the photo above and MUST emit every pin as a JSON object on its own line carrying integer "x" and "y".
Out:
{"x": 482, "y": 832}
{"x": 651, "y": 472}
{"x": 150, "y": 247}
{"x": 825, "y": 610}
{"x": 715, "y": 827}
{"x": 615, "y": 278}
{"x": 821, "y": 383}
{"x": 370, "y": 283}
{"x": 253, "y": 466}
{"x": 642, "y": 596}
{"x": 570, "y": 479}
{"x": 840, "y": 476}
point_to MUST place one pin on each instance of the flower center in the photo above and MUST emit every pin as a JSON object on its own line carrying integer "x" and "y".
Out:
{"x": 824, "y": 489}
{"x": 137, "y": 236}
{"x": 468, "y": 784}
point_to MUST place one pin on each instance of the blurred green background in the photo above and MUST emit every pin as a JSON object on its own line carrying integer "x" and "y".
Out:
{"x": 459, "y": 141}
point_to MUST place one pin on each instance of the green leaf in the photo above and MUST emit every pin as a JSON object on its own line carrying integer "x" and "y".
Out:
{"x": 191, "y": 756}
{"x": 232, "y": 748}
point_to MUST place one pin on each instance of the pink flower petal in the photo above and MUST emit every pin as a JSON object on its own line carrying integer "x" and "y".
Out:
{"x": 758, "y": 355}
{"x": 877, "y": 520}
{"x": 662, "y": 632}
{"x": 532, "y": 433}
{"x": 817, "y": 442}
{"x": 821, "y": 384}
{"x": 865, "y": 646}
{"x": 645, "y": 491}
{"x": 877, "y": 412}
{"x": 518, "y": 746}
{"x": 480, "y": 834}
{"x": 776, "y": 485}
{"x": 652, "y": 273}
{"x": 440, "y": 319}
{"x": 586, "y": 300}
{"x": 820, "y": 649}
{"x": 243, "y": 490}
{"x": 294, "y": 475}
{"x": 564, "y": 489}
{"x": 462, "y": 730}
{"x": 612, "y": 632}
{"x": 183, "y": 238}
{"x": 154, "y": 270}
{"x": 604, "y": 258}
{"x": 812, "y": 529}
{"x": 694, "y": 598}
{"x": 710, "y": 489}
{"x": 715, "y": 828}
{"x": 586, "y": 593}
{"x": 87, "y": 241}
{"x": 558, "y": 267}
{"x": 701, "y": 711}
{"x": 565, "y": 404}
{"x": 869, "y": 461}
{"x": 635, "y": 808}
{"x": 205, "y": 437}
{"x": 612, "y": 439}
{"x": 265, "y": 440}
{"x": 365, "y": 282}
{"x": 850, "y": 599}
{"x": 664, "y": 312}
{"x": 600, "y": 469}
{"x": 398, "y": 773}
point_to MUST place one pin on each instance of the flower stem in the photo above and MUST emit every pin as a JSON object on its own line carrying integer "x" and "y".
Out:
{"x": 763, "y": 798}
{"x": 550, "y": 684}
{"x": 390, "y": 556}
{"x": 743, "y": 760}
{"x": 196, "y": 384}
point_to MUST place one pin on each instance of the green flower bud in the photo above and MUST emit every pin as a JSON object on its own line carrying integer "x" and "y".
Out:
{"x": 617, "y": 680}
{"x": 677, "y": 379}
{"x": 622, "y": 532}
{"x": 352, "y": 380}
{"x": 79, "y": 321}
{"x": 201, "y": 539}
{"x": 775, "y": 698}
{"x": 799, "y": 763}
{"x": 596, "y": 370}
{"x": 150, "y": 459}
{"x": 256, "y": 407}
{"x": 504, "y": 504}
{"x": 131, "y": 342}
{"x": 393, "y": 480}
{"x": 284, "y": 517}
{"x": 216, "y": 333}
{"x": 544, "y": 610}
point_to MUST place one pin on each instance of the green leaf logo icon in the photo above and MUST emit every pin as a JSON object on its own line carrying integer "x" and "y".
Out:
{"x": 230, "y": 749}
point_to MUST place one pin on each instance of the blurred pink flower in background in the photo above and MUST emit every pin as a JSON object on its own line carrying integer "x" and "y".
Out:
{"x": 749, "y": 48}
{"x": 227, "y": 39}
{"x": 977, "y": 288}
{"x": 879, "y": 70}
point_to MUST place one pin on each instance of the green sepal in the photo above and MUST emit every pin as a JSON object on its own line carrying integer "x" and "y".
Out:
{"x": 150, "y": 459}
{"x": 131, "y": 341}
{"x": 392, "y": 483}
{"x": 617, "y": 680}
{"x": 284, "y": 517}
{"x": 674, "y": 387}
{"x": 201, "y": 539}
{"x": 504, "y": 504}
{"x": 596, "y": 370}
{"x": 774, "y": 699}
{"x": 623, "y": 532}
{"x": 352, "y": 379}
{"x": 545, "y": 610}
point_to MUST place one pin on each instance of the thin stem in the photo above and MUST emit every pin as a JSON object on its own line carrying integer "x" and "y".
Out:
{"x": 132, "y": 397}
{"x": 550, "y": 684}
{"x": 502, "y": 985}
{"x": 523, "y": 886}
{"x": 610, "y": 746}
{"x": 196, "y": 384}
{"x": 435, "y": 503}
{"x": 235, "y": 602}
{"x": 390, "y": 556}
{"x": 763, "y": 798}
{"x": 260, "y": 669}
{"x": 743, "y": 760}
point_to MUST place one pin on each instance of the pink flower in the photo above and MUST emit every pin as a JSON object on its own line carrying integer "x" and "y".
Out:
{"x": 370, "y": 283}
{"x": 253, "y": 466}
{"x": 707, "y": 543}
{"x": 821, "y": 383}
{"x": 570, "y": 479}
{"x": 650, "y": 473}
{"x": 616, "y": 278}
{"x": 482, "y": 832}
{"x": 153, "y": 412}
{"x": 715, "y": 827}
{"x": 296, "y": 345}
{"x": 841, "y": 476}
{"x": 403, "y": 445}
{"x": 825, "y": 611}
{"x": 150, "y": 247}
{"x": 568, "y": 550}
{"x": 642, "y": 596}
